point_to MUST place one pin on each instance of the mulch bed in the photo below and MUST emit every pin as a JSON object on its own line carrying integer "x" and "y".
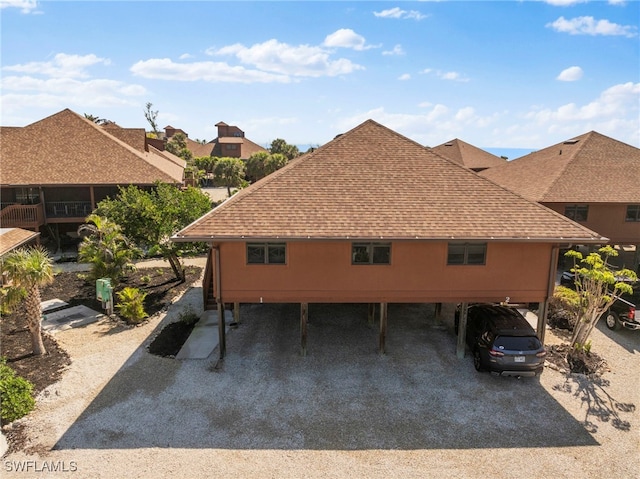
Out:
{"x": 160, "y": 285}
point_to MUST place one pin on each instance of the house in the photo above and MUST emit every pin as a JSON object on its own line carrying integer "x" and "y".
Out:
{"x": 468, "y": 155}
{"x": 230, "y": 142}
{"x": 374, "y": 217}
{"x": 56, "y": 170}
{"x": 592, "y": 179}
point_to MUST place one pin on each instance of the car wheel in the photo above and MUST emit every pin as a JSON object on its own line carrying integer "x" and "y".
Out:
{"x": 477, "y": 360}
{"x": 612, "y": 320}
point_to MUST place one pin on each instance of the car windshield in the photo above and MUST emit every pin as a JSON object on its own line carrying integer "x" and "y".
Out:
{"x": 517, "y": 343}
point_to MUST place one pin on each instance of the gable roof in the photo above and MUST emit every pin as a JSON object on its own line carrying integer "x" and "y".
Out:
{"x": 67, "y": 149}
{"x": 375, "y": 184}
{"x": 12, "y": 238}
{"x": 468, "y": 155}
{"x": 590, "y": 168}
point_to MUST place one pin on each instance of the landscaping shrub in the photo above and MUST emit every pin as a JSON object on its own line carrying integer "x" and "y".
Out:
{"x": 131, "y": 304}
{"x": 564, "y": 307}
{"x": 16, "y": 394}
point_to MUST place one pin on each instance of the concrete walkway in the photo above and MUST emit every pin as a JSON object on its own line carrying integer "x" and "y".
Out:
{"x": 204, "y": 338}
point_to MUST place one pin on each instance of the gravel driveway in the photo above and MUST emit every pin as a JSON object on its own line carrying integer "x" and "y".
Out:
{"x": 341, "y": 411}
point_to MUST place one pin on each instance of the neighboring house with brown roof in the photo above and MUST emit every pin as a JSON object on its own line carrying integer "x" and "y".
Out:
{"x": 592, "y": 179}
{"x": 230, "y": 142}
{"x": 468, "y": 155}
{"x": 55, "y": 171}
{"x": 12, "y": 238}
{"x": 396, "y": 223}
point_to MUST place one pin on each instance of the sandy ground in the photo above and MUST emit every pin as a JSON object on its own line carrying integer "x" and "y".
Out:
{"x": 341, "y": 411}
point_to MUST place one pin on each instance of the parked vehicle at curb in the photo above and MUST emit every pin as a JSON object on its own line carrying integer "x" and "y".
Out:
{"x": 502, "y": 341}
{"x": 625, "y": 312}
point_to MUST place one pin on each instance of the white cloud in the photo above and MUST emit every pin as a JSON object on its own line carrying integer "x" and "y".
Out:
{"x": 25, "y": 6}
{"x": 404, "y": 76}
{"x": 591, "y": 26}
{"x": 22, "y": 92}
{"x": 398, "y": 13}
{"x": 62, "y": 66}
{"x": 185, "y": 56}
{"x": 397, "y": 50}
{"x": 166, "y": 69}
{"x": 453, "y": 76}
{"x": 570, "y": 74}
{"x": 346, "y": 38}
{"x": 298, "y": 61}
{"x": 564, "y": 3}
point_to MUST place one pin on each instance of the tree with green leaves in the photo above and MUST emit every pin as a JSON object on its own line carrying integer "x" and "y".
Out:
{"x": 28, "y": 269}
{"x": 255, "y": 166}
{"x": 598, "y": 285}
{"x": 150, "y": 217}
{"x": 178, "y": 146}
{"x": 229, "y": 172}
{"x": 280, "y": 146}
{"x": 104, "y": 246}
{"x": 274, "y": 162}
{"x": 151, "y": 117}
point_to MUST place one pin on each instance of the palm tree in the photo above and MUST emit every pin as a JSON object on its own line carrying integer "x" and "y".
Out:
{"x": 28, "y": 269}
{"x": 106, "y": 248}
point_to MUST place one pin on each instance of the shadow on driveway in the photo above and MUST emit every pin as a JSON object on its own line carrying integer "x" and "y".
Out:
{"x": 342, "y": 396}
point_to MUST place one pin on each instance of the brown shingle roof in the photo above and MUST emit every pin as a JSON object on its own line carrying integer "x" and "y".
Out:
{"x": 590, "y": 168}
{"x": 11, "y": 238}
{"x": 373, "y": 183}
{"x": 67, "y": 149}
{"x": 468, "y": 155}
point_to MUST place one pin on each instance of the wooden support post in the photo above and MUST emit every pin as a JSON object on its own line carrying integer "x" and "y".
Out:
{"x": 304, "y": 313}
{"x": 383, "y": 327}
{"x": 635, "y": 266}
{"x": 462, "y": 331}
{"x": 438, "y": 312}
{"x": 543, "y": 312}
{"x": 236, "y": 313}
{"x": 371, "y": 314}
{"x": 222, "y": 346}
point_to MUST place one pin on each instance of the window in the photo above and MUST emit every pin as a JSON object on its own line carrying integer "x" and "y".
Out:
{"x": 576, "y": 212}
{"x": 27, "y": 196}
{"x": 371, "y": 253}
{"x": 232, "y": 147}
{"x": 633, "y": 213}
{"x": 467, "y": 253}
{"x": 266, "y": 253}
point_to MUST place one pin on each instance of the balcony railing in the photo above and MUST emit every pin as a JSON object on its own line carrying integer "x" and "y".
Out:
{"x": 68, "y": 209}
{"x": 21, "y": 216}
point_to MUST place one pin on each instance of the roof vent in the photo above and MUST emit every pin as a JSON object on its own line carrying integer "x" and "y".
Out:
{"x": 448, "y": 144}
{"x": 571, "y": 142}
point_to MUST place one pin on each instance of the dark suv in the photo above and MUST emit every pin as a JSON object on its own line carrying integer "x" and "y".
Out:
{"x": 625, "y": 312}
{"x": 502, "y": 341}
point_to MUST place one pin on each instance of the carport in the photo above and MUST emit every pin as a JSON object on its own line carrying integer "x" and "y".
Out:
{"x": 375, "y": 218}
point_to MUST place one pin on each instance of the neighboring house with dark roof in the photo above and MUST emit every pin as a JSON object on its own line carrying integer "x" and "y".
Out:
{"x": 230, "y": 142}
{"x": 374, "y": 217}
{"x": 468, "y": 155}
{"x": 56, "y": 170}
{"x": 12, "y": 238}
{"x": 592, "y": 179}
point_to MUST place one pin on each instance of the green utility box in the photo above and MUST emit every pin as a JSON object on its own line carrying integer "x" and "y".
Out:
{"x": 103, "y": 289}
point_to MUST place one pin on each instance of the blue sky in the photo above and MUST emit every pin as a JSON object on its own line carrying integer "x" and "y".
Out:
{"x": 506, "y": 76}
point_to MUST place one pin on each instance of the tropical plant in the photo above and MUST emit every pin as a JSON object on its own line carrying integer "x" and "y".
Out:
{"x": 151, "y": 117}
{"x": 27, "y": 270}
{"x": 229, "y": 172}
{"x": 280, "y": 146}
{"x": 178, "y": 146}
{"x": 131, "y": 304}
{"x": 150, "y": 218}
{"x": 106, "y": 248}
{"x": 598, "y": 286}
{"x": 16, "y": 394}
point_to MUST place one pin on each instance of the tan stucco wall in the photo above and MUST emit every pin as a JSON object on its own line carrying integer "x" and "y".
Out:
{"x": 322, "y": 272}
{"x": 607, "y": 220}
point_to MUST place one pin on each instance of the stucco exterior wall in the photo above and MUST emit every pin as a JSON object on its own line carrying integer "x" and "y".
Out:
{"x": 607, "y": 219}
{"x": 322, "y": 272}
